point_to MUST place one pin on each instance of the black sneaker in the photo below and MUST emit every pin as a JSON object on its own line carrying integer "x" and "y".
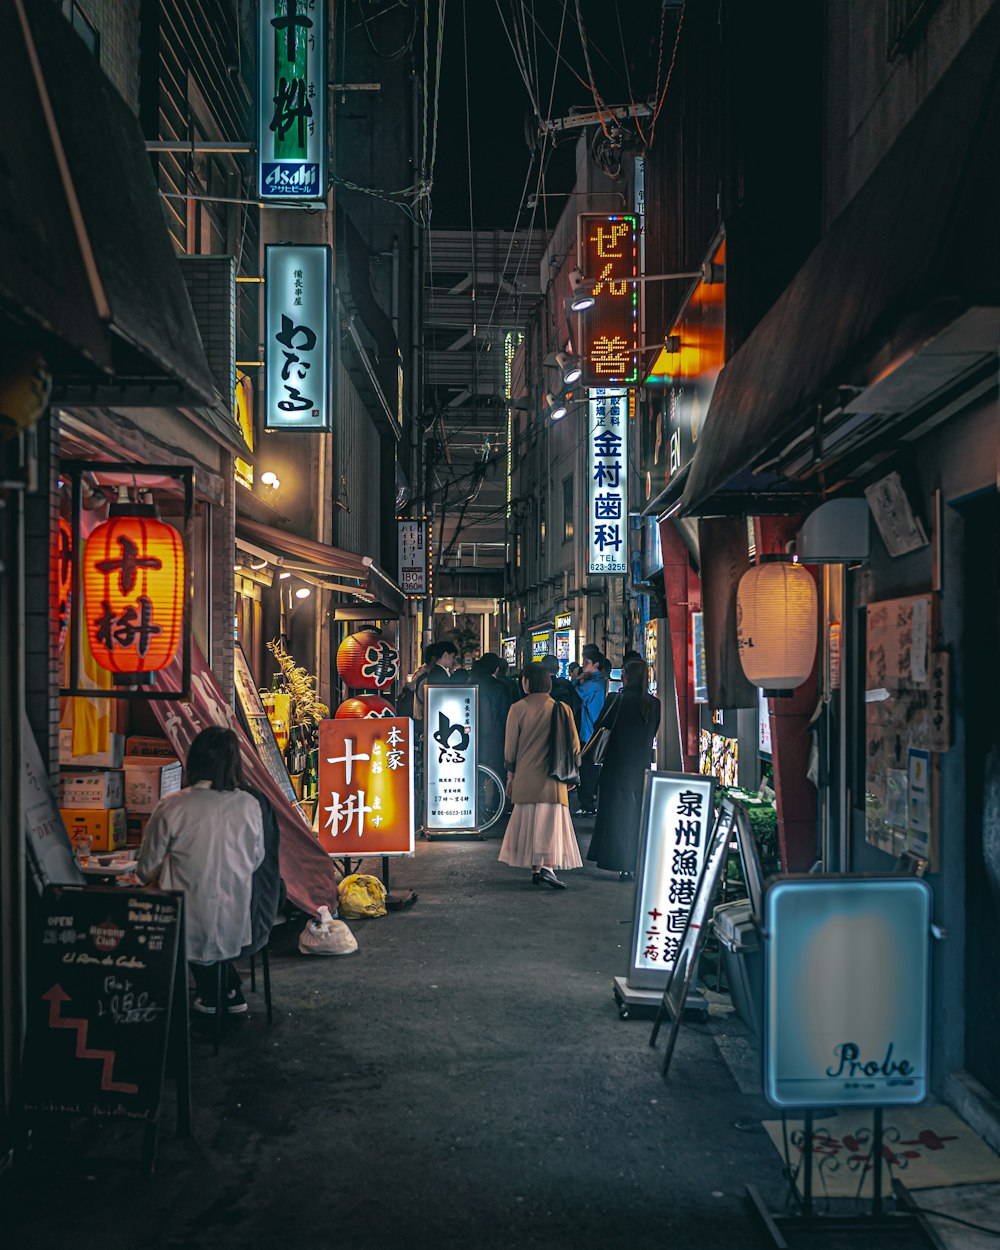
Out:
{"x": 202, "y": 1008}
{"x": 236, "y": 1004}
{"x": 550, "y": 879}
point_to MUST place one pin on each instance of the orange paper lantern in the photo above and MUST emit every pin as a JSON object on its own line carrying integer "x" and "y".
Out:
{"x": 63, "y": 577}
{"x": 133, "y": 591}
{"x": 366, "y": 661}
{"x": 364, "y": 707}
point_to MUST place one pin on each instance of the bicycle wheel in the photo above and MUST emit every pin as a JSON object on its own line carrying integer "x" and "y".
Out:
{"x": 491, "y": 797}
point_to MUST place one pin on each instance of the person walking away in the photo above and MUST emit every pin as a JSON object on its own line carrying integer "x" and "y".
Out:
{"x": 493, "y": 707}
{"x": 512, "y": 685}
{"x": 634, "y": 717}
{"x": 592, "y": 689}
{"x": 540, "y": 834}
{"x": 207, "y": 840}
{"x": 563, "y": 691}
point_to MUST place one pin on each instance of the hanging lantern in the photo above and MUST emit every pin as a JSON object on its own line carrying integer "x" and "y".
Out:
{"x": 133, "y": 591}
{"x": 366, "y": 661}
{"x": 63, "y": 577}
{"x": 776, "y": 624}
{"x": 364, "y": 707}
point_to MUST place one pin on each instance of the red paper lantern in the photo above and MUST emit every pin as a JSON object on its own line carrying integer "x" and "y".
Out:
{"x": 63, "y": 576}
{"x": 133, "y": 591}
{"x": 364, "y": 707}
{"x": 365, "y": 661}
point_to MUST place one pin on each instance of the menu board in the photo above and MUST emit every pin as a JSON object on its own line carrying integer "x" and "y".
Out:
{"x": 258, "y": 726}
{"x": 101, "y": 991}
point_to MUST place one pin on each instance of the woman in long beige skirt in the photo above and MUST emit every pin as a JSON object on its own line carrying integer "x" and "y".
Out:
{"x": 540, "y": 835}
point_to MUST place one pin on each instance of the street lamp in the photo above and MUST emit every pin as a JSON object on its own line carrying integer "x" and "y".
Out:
{"x": 585, "y": 290}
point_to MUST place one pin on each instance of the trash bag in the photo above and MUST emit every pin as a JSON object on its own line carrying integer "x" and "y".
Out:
{"x": 361, "y": 896}
{"x": 327, "y": 936}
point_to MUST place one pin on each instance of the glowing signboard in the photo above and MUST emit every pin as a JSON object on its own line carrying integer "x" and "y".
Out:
{"x": 451, "y": 758}
{"x": 414, "y": 556}
{"x": 847, "y": 991}
{"x": 541, "y": 643}
{"x": 291, "y": 106}
{"x": 366, "y": 786}
{"x": 565, "y": 649}
{"x": 607, "y": 481}
{"x": 608, "y": 251}
{"x": 297, "y": 343}
{"x": 508, "y": 650}
{"x": 677, "y": 816}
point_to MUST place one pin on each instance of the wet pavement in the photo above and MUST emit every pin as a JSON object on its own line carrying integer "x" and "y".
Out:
{"x": 464, "y": 1080}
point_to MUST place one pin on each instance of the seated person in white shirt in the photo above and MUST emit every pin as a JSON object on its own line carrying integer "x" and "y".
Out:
{"x": 206, "y": 840}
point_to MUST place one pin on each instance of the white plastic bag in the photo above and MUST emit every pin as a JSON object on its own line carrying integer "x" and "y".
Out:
{"x": 327, "y": 936}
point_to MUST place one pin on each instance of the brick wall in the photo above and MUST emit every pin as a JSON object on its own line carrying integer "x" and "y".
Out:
{"x": 41, "y": 669}
{"x": 117, "y": 23}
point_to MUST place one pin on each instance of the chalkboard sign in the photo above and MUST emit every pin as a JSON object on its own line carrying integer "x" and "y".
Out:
{"x": 102, "y": 979}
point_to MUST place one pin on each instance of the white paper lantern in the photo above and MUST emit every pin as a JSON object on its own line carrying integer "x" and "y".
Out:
{"x": 776, "y": 624}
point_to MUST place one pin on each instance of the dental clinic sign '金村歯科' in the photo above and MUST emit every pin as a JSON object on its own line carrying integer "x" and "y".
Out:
{"x": 847, "y": 991}
{"x": 607, "y": 486}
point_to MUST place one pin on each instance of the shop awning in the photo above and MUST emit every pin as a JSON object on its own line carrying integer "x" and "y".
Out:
{"x": 896, "y": 306}
{"x": 325, "y": 566}
{"x": 149, "y": 340}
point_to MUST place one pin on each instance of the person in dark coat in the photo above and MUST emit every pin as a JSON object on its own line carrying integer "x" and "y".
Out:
{"x": 634, "y": 717}
{"x": 494, "y": 704}
{"x": 267, "y": 890}
{"x": 563, "y": 691}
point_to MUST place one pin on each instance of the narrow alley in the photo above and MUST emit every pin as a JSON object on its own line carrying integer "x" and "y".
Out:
{"x": 463, "y": 1080}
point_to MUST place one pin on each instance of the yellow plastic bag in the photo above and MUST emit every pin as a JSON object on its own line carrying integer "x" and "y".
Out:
{"x": 360, "y": 896}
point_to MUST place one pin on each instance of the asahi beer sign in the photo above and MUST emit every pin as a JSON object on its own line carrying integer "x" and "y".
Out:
{"x": 297, "y": 344}
{"x": 607, "y": 472}
{"x": 451, "y": 757}
{"x": 414, "y": 556}
{"x": 678, "y": 815}
{"x": 847, "y": 991}
{"x": 291, "y": 134}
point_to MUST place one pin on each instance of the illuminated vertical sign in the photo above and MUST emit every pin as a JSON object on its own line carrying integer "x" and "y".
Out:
{"x": 366, "y": 786}
{"x": 414, "y": 556}
{"x": 677, "y": 818}
{"x": 291, "y": 108}
{"x": 608, "y": 250}
{"x": 607, "y": 487}
{"x": 451, "y": 758}
{"x": 508, "y": 649}
{"x": 297, "y": 342}
{"x": 847, "y": 991}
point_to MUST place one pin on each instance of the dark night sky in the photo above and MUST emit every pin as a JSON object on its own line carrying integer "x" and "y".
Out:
{"x": 501, "y": 115}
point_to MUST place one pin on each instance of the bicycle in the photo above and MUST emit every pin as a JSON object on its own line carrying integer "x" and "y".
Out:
{"x": 490, "y": 791}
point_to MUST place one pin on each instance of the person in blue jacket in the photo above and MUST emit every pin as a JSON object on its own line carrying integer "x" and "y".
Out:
{"x": 592, "y": 689}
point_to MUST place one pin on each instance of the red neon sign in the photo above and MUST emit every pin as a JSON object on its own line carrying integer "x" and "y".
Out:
{"x": 608, "y": 248}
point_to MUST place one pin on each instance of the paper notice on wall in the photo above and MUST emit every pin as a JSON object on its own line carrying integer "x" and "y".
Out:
{"x": 901, "y": 531}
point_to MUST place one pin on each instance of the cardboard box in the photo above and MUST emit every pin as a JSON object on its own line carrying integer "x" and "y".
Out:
{"x": 135, "y": 745}
{"x": 135, "y": 828}
{"x": 148, "y": 779}
{"x": 111, "y": 758}
{"x": 98, "y": 788}
{"x": 106, "y": 826}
